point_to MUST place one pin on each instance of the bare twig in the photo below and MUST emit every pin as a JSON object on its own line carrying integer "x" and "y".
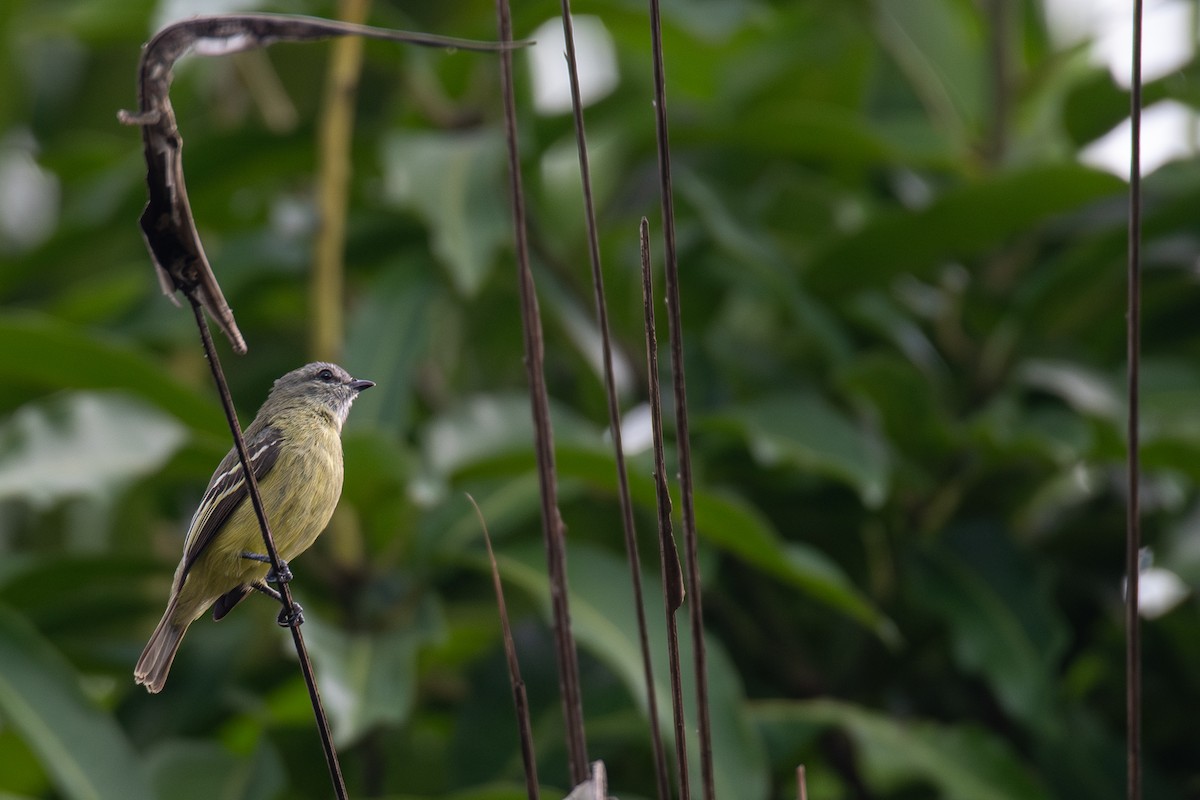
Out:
{"x": 520, "y": 699}
{"x": 543, "y": 434}
{"x": 679, "y": 386}
{"x": 614, "y": 411}
{"x": 167, "y": 223}
{"x": 801, "y": 784}
{"x": 285, "y": 594}
{"x": 1133, "y": 531}
{"x": 672, "y": 577}
{"x": 334, "y": 136}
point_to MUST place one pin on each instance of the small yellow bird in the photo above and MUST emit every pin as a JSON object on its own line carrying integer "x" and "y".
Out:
{"x": 295, "y": 449}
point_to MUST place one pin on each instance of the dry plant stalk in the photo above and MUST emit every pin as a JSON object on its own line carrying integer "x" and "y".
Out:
{"x": 543, "y": 434}
{"x": 1133, "y": 527}
{"x": 614, "y": 411}
{"x": 672, "y": 577}
{"x": 520, "y": 699}
{"x": 679, "y": 386}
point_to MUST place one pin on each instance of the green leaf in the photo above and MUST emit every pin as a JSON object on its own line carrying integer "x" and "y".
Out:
{"x": 22, "y": 777}
{"x": 602, "y": 621}
{"x": 810, "y": 130}
{"x": 82, "y": 748}
{"x": 908, "y": 402}
{"x": 961, "y": 222}
{"x": 961, "y": 761}
{"x": 82, "y": 443}
{"x": 936, "y": 45}
{"x": 455, "y": 183}
{"x": 205, "y": 770}
{"x": 802, "y": 430}
{"x": 388, "y": 335}
{"x": 107, "y": 591}
{"x": 488, "y": 427}
{"x": 1008, "y": 429}
{"x": 740, "y": 529}
{"x": 1002, "y": 626}
{"x": 1094, "y": 106}
{"x": 368, "y": 679}
{"x": 50, "y": 354}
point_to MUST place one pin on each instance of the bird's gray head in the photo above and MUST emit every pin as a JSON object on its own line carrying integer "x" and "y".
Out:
{"x": 327, "y": 385}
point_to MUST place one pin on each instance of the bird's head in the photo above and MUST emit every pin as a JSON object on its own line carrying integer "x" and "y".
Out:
{"x": 326, "y": 385}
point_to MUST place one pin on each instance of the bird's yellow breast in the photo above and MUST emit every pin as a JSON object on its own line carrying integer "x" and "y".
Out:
{"x": 299, "y": 495}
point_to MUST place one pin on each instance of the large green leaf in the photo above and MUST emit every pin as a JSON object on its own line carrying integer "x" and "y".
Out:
{"x": 368, "y": 678}
{"x": 51, "y": 354}
{"x": 487, "y": 427}
{"x": 1002, "y": 626}
{"x": 936, "y": 46}
{"x": 388, "y": 336}
{"x": 82, "y": 748}
{"x": 737, "y": 527}
{"x": 803, "y": 430}
{"x": 22, "y": 777}
{"x": 199, "y": 770}
{"x": 82, "y": 444}
{"x": 107, "y": 592}
{"x": 962, "y": 762}
{"x": 961, "y": 222}
{"x": 800, "y": 131}
{"x": 909, "y": 404}
{"x": 455, "y": 183}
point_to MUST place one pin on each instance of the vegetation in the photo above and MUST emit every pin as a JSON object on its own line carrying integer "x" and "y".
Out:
{"x": 903, "y": 300}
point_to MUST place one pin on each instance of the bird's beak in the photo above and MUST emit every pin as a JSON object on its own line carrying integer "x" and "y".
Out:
{"x": 358, "y": 386}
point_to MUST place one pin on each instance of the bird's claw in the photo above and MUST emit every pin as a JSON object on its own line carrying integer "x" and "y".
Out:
{"x": 284, "y": 575}
{"x": 291, "y": 618}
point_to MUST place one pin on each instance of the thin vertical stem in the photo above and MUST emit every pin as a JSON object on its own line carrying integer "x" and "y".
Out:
{"x": 543, "y": 435}
{"x": 614, "y": 411}
{"x": 1133, "y": 531}
{"x": 672, "y": 578}
{"x": 285, "y": 594}
{"x": 682, "y": 440}
{"x": 520, "y": 698}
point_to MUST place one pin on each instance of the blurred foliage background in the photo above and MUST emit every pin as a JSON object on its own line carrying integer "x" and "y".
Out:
{"x": 903, "y": 303}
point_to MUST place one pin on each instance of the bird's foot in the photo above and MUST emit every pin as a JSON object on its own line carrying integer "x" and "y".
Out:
{"x": 284, "y": 575}
{"x": 291, "y": 618}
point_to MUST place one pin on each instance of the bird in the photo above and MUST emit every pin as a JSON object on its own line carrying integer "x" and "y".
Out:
{"x": 295, "y": 450}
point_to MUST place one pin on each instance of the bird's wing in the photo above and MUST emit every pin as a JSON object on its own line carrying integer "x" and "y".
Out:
{"x": 226, "y": 491}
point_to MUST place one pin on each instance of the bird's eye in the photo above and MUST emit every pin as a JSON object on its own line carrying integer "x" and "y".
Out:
{"x": 325, "y": 375}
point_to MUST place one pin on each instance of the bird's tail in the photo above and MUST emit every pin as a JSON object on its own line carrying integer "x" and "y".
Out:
{"x": 152, "y": 668}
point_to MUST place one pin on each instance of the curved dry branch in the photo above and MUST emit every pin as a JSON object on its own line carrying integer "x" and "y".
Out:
{"x": 167, "y": 223}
